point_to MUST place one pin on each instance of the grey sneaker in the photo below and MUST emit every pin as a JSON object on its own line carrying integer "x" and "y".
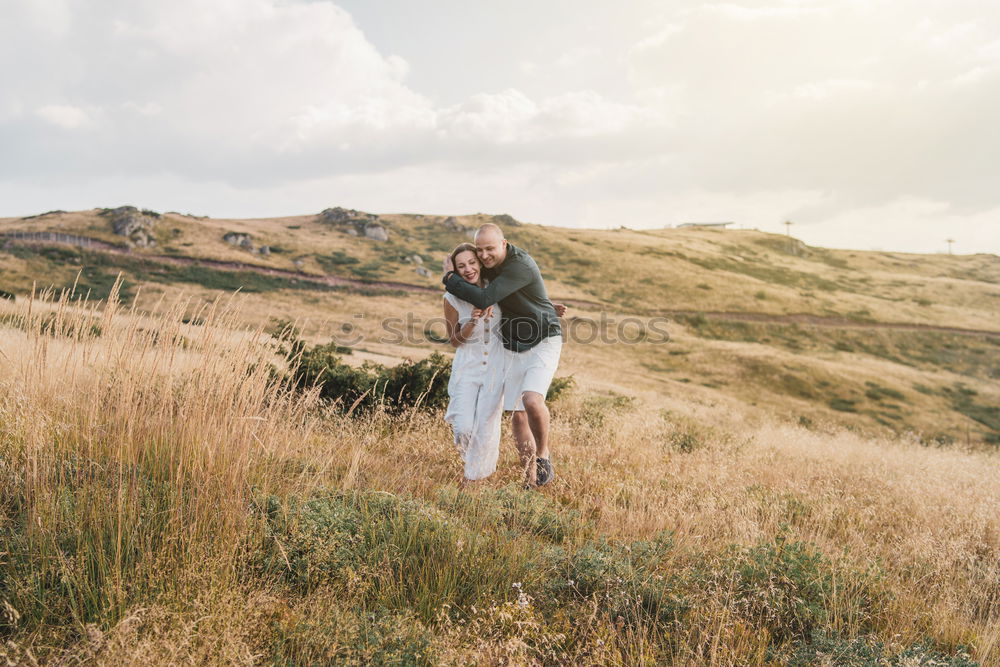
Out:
{"x": 544, "y": 473}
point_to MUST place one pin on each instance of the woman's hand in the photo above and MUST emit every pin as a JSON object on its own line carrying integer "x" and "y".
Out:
{"x": 447, "y": 265}
{"x": 478, "y": 313}
{"x": 560, "y": 309}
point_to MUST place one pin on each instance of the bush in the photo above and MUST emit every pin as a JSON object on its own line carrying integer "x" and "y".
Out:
{"x": 355, "y": 638}
{"x": 336, "y": 259}
{"x": 558, "y": 387}
{"x": 322, "y": 366}
{"x": 421, "y": 383}
{"x": 381, "y": 550}
{"x": 369, "y": 270}
{"x": 828, "y": 648}
{"x": 791, "y": 590}
{"x": 627, "y": 583}
{"x": 843, "y": 404}
{"x": 532, "y": 514}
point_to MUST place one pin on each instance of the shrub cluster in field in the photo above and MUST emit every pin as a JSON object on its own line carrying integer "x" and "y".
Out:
{"x": 421, "y": 383}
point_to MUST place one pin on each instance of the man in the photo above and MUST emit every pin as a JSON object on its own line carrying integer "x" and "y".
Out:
{"x": 532, "y": 339}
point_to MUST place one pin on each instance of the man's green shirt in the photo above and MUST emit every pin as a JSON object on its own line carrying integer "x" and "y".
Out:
{"x": 517, "y": 285}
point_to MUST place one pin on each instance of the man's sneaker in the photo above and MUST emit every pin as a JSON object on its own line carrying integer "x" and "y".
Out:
{"x": 544, "y": 473}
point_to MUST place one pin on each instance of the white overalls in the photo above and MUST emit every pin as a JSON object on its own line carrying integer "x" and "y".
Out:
{"x": 476, "y": 391}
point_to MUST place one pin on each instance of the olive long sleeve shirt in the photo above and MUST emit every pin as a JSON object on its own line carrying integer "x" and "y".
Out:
{"x": 528, "y": 316}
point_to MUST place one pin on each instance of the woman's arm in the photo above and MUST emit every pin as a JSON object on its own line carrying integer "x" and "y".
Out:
{"x": 456, "y": 334}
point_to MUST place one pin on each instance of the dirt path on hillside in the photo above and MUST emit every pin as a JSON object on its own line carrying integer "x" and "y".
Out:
{"x": 104, "y": 247}
{"x": 47, "y": 239}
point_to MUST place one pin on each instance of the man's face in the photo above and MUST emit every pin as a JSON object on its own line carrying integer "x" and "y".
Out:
{"x": 491, "y": 248}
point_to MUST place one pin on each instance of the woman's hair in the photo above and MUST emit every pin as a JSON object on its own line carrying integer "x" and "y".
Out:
{"x": 463, "y": 247}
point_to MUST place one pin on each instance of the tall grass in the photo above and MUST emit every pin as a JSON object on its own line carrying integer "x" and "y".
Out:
{"x": 129, "y": 445}
{"x": 167, "y": 497}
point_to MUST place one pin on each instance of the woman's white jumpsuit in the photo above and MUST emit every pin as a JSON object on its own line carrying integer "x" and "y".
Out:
{"x": 476, "y": 391}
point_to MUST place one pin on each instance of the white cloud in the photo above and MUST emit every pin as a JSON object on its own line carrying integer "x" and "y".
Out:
{"x": 821, "y": 90}
{"x": 65, "y": 116}
{"x": 656, "y": 39}
{"x": 744, "y": 13}
{"x": 576, "y": 56}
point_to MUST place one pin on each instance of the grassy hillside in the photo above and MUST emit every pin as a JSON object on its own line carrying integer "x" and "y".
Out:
{"x": 869, "y": 340}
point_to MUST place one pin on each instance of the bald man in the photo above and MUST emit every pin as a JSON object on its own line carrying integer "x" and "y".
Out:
{"x": 532, "y": 339}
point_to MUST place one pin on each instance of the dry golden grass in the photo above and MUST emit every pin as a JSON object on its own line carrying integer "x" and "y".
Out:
{"x": 134, "y": 450}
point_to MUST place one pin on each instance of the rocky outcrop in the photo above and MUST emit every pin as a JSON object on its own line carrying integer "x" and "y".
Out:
{"x": 355, "y": 223}
{"x": 338, "y": 216}
{"x": 422, "y": 271}
{"x": 452, "y": 224}
{"x": 505, "y": 220}
{"x": 376, "y": 232}
{"x": 240, "y": 239}
{"x": 137, "y": 226}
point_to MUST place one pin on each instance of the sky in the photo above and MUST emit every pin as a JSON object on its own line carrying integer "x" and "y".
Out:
{"x": 868, "y": 124}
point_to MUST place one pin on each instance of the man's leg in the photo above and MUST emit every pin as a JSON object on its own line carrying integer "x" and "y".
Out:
{"x": 537, "y": 416}
{"x": 525, "y": 441}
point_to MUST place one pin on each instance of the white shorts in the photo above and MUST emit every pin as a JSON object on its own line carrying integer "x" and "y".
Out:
{"x": 531, "y": 370}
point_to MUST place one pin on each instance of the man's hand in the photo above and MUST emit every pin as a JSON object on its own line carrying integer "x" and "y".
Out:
{"x": 447, "y": 265}
{"x": 560, "y": 309}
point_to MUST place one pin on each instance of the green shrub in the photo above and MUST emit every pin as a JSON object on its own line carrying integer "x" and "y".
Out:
{"x": 843, "y": 404}
{"x": 385, "y": 551}
{"x": 523, "y": 514}
{"x": 831, "y": 648}
{"x": 369, "y": 270}
{"x": 791, "y": 589}
{"x": 627, "y": 583}
{"x": 697, "y": 320}
{"x": 412, "y": 383}
{"x": 421, "y": 383}
{"x": 358, "y": 637}
{"x": 595, "y": 409}
{"x": 322, "y": 366}
{"x": 559, "y": 387}
{"x": 876, "y": 392}
{"x": 336, "y": 259}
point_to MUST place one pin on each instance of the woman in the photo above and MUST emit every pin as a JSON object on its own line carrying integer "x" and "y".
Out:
{"x": 477, "y": 373}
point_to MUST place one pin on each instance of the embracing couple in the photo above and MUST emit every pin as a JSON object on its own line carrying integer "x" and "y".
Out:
{"x": 508, "y": 340}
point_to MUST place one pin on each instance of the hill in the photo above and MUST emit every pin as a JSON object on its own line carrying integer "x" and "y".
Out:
{"x": 873, "y": 340}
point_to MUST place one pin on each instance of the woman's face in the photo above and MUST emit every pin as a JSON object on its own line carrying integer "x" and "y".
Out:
{"x": 467, "y": 266}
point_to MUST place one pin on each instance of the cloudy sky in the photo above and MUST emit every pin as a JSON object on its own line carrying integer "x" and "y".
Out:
{"x": 868, "y": 123}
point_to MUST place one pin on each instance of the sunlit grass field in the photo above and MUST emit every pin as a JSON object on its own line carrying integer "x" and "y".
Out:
{"x": 166, "y": 496}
